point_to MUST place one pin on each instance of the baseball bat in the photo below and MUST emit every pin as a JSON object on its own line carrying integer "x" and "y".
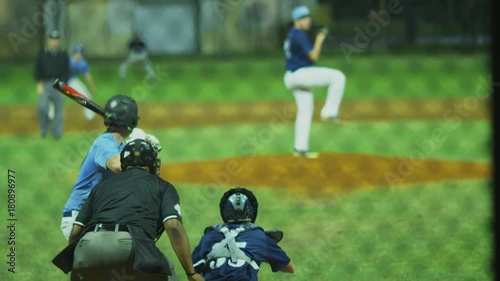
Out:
{"x": 77, "y": 97}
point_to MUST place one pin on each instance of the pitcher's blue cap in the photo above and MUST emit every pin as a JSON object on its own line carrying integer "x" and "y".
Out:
{"x": 300, "y": 12}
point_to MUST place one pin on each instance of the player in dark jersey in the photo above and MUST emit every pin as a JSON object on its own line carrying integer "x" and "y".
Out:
{"x": 302, "y": 76}
{"x": 137, "y": 51}
{"x": 235, "y": 249}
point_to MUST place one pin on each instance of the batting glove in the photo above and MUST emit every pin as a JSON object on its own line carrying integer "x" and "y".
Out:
{"x": 136, "y": 134}
{"x": 154, "y": 142}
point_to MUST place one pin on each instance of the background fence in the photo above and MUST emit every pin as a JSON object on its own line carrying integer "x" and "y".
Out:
{"x": 238, "y": 26}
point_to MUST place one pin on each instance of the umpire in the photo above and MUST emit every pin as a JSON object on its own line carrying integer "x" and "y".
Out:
{"x": 52, "y": 62}
{"x": 115, "y": 232}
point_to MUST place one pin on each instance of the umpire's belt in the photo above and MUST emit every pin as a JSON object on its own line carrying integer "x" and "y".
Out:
{"x": 110, "y": 227}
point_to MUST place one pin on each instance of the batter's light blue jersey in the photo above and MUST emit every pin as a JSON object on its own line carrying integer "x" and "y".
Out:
{"x": 93, "y": 170}
{"x": 297, "y": 46}
{"x": 78, "y": 67}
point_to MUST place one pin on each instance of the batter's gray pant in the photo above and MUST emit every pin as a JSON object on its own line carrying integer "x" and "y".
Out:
{"x": 104, "y": 255}
{"x": 50, "y": 94}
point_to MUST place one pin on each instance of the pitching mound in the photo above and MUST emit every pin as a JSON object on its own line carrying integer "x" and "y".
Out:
{"x": 331, "y": 173}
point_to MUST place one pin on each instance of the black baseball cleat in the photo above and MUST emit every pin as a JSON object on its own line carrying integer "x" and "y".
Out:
{"x": 306, "y": 154}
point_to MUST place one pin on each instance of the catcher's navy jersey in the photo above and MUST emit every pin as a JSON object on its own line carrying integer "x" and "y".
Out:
{"x": 297, "y": 46}
{"x": 254, "y": 243}
{"x": 93, "y": 170}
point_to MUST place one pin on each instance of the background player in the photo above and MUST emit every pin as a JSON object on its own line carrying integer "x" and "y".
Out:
{"x": 235, "y": 249}
{"x": 137, "y": 51}
{"x": 302, "y": 76}
{"x": 79, "y": 65}
{"x": 51, "y": 63}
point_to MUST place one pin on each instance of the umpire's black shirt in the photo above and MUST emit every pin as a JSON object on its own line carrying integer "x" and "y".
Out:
{"x": 133, "y": 197}
{"x": 50, "y": 65}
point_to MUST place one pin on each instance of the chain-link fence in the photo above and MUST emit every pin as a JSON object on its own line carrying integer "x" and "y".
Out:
{"x": 237, "y": 26}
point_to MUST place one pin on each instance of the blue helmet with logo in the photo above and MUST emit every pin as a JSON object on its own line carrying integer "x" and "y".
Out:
{"x": 79, "y": 48}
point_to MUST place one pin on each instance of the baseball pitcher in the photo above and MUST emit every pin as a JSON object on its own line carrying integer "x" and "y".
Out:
{"x": 302, "y": 76}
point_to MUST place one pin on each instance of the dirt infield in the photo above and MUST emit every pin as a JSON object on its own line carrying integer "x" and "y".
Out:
{"x": 332, "y": 173}
{"x": 23, "y": 120}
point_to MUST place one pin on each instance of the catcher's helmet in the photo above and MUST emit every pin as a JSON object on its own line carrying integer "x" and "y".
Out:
{"x": 121, "y": 110}
{"x": 238, "y": 205}
{"x": 140, "y": 153}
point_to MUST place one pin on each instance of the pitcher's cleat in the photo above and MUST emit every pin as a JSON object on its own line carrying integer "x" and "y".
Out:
{"x": 333, "y": 119}
{"x": 306, "y": 154}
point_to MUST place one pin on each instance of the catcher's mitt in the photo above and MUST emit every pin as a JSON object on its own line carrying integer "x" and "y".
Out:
{"x": 275, "y": 234}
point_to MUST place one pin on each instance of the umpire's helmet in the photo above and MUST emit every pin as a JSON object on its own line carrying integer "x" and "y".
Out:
{"x": 140, "y": 153}
{"x": 121, "y": 110}
{"x": 238, "y": 205}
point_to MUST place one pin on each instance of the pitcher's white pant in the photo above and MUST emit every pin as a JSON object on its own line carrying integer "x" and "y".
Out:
{"x": 301, "y": 82}
{"x": 67, "y": 224}
{"x": 135, "y": 57}
{"x": 76, "y": 84}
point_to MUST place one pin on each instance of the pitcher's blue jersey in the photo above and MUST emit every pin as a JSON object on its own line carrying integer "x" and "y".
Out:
{"x": 296, "y": 47}
{"x": 256, "y": 245}
{"x": 93, "y": 170}
{"x": 78, "y": 67}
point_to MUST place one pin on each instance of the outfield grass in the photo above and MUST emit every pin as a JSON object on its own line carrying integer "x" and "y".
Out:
{"x": 193, "y": 80}
{"x": 397, "y": 138}
{"x": 423, "y": 232}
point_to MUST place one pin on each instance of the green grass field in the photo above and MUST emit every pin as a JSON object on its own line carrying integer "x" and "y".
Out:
{"x": 233, "y": 79}
{"x": 424, "y": 231}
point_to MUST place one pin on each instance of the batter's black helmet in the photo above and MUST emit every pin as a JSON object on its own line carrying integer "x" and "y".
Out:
{"x": 140, "y": 153}
{"x": 238, "y": 205}
{"x": 121, "y": 110}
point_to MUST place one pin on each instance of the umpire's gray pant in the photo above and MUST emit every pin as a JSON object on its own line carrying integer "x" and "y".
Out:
{"x": 104, "y": 255}
{"x": 50, "y": 94}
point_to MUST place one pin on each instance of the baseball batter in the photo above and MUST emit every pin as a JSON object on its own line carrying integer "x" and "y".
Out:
{"x": 302, "y": 76}
{"x": 103, "y": 158}
{"x": 78, "y": 65}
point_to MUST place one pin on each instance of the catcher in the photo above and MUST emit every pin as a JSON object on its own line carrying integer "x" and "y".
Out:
{"x": 235, "y": 249}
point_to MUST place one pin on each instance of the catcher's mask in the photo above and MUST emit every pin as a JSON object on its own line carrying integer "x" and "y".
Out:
{"x": 238, "y": 205}
{"x": 140, "y": 153}
{"x": 121, "y": 111}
